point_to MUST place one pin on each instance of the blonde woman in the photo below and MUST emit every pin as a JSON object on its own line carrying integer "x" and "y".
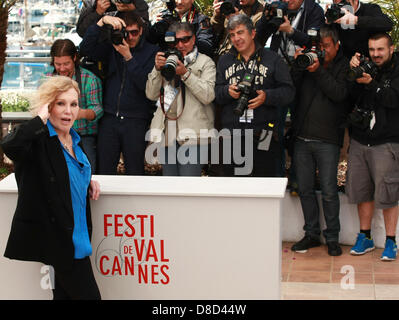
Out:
{"x": 52, "y": 221}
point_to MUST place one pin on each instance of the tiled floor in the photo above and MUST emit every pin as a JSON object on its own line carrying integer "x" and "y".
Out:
{"x": 316, "y": 275}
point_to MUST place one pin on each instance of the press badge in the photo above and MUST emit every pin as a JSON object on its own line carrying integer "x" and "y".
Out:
{"x": 170, "y": 94}
{"x": 248, "y": 116}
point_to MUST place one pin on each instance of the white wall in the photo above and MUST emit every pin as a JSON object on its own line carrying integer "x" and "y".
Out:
{"x": 293, "y": 221}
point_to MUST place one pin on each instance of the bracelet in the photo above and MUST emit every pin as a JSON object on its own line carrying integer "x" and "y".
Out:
{"x": 186, "y": 75}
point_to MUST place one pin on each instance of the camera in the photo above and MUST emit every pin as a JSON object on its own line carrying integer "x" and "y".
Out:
{"x": 110, "y": 35}
{"x": 310, "y": 54}
{"x": 360, "y": 118}
{"x": 245, "y": 87}
{"x": 158, "y": 30}
{"x": 274, "y": 14}
{"x": 334, "y": 12}
{"x": 366, "y": 66}
{"x": 172, "y": 57}
{"x": 227, "y": 7}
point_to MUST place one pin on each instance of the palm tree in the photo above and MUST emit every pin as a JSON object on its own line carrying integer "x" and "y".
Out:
{"x": 5, "y": 6}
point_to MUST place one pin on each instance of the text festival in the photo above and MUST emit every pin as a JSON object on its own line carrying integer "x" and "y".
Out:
{"x": 129, "y": 248}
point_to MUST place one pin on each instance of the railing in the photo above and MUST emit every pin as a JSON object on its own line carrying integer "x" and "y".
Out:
{"x": 24, "y": 72}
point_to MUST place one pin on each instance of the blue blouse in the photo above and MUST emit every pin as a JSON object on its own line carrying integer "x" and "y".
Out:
{"x": 79, "y": 179}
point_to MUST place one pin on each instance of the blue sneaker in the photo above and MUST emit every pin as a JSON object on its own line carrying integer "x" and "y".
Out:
{"x": 389, "y": 253}
{"x": 362, "y": 245}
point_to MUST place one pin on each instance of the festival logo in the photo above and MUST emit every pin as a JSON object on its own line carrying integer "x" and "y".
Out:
{"x": 130, "y": 248}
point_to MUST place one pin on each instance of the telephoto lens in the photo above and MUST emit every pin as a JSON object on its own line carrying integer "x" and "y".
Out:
{"x": 305, "y": 60}
{"x": 169, "y": 69}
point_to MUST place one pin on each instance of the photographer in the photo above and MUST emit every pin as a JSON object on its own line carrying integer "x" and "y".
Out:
{"x": 190, "y": 109}
{"x": 318, "y": 132}
{"x": 301, "y": 16}
{"x": 266, "y": 85}
{"x": 357, "y": 22}
{"x": 252, "y": 8}
{"x": 127, "y": 111}
{"x": 94, "y": 10}
{"x": 284, "y": 35}
{"x": 185, "y": 11}
{"x": 373, "y": 165}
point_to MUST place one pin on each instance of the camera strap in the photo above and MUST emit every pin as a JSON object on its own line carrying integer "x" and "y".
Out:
{"x": 190, "y": 15}
{"x": 286, "y": 57}
{"x": 256, "y": 60}
{"x": 162, "y": 99}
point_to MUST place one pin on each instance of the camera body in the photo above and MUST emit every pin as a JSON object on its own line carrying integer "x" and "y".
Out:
{"x": 246, "y": 88}
{"x": 158, "y": 30}
{"x": 110, "y": 35}
{"x": 360, "y": 118}
{"x": 227, "y": 7}
{"x": 172, "y": 56}
{"x": 274, "y": 13}
{"x": 310, "y": 53}
{"x": 334, "y": 12}
{"x": 366, "y": 66}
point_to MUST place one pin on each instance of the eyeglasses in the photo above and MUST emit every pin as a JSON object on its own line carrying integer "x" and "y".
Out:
{"x": 133, "y": 33}
{"x": 183, "y": 40}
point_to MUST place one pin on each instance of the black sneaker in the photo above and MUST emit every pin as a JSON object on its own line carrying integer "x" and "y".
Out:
{"x": 306, "y": 243}
{"x": 334, "y": 249}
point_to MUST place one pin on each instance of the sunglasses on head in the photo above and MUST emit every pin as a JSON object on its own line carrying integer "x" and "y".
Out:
{"x": 183, "y": 40}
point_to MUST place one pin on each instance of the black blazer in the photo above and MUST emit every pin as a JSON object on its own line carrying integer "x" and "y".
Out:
{"x": 43, "y": 222}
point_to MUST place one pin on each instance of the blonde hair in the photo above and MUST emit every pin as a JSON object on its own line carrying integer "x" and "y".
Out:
{"x": 50, "y": 89}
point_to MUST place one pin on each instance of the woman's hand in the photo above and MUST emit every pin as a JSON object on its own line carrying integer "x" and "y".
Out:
{"x": 94, "y": 190}
{"x": 44, "y": 113}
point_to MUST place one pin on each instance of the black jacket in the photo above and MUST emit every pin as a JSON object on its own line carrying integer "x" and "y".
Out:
{"x": 124, "y": 89}
{"x": 272, "y": 76}
{"x": 371, "y": 20}
{"x": 312, "y": 17}
{"x": 43, "y": 222}
{"x": 382, "y": 96}
{"x": 321, "y": 110}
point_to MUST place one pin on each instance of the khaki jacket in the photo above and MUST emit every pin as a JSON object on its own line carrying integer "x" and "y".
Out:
{"x": 198, "y": 112}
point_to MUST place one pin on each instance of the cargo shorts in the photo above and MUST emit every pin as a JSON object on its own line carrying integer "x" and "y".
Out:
{"x": 373, "y": 174}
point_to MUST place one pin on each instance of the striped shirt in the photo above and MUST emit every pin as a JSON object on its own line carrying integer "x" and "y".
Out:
{"x": 90, "y": 98}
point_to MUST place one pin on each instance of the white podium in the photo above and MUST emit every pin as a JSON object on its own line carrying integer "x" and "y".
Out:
{"x": 170, "y": 238}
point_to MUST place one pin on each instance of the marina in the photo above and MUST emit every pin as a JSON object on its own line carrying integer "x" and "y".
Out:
{"x": 33, "y": 26}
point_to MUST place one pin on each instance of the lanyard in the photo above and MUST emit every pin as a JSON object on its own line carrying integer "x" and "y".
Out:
{"x": 255, "y": 60}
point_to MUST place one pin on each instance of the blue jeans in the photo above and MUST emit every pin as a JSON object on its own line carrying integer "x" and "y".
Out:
{"x": 174, "y": 167}
{"x": 309, "y": 156}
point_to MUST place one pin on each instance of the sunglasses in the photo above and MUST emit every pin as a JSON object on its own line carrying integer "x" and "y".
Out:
{"x": 183, "y": 40}
{"x": 134, "y": 33}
